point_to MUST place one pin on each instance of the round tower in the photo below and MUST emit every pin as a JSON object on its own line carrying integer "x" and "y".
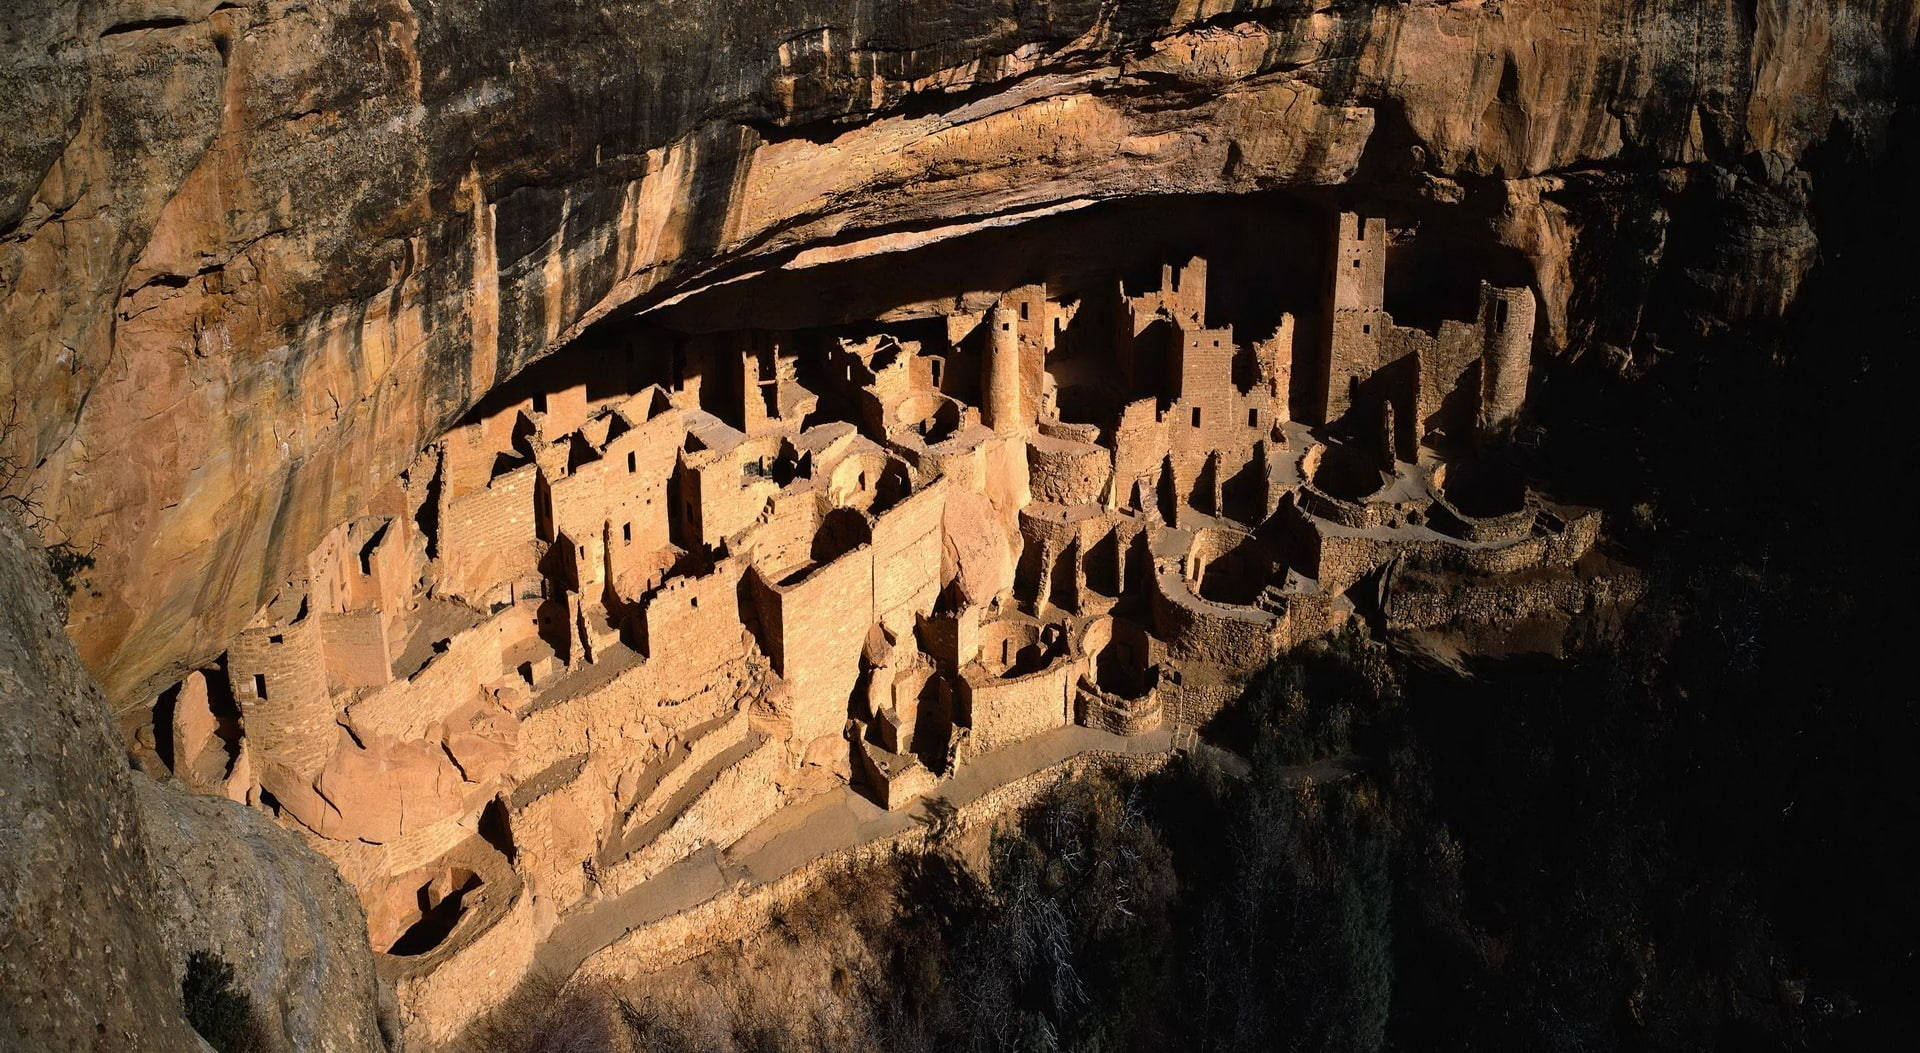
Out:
{"x": 1506, "y": 320}
{"x": 1002, "y": 410}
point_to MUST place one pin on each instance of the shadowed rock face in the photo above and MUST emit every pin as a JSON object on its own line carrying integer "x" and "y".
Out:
{"x": 256, "y": 254}
{"x": 109, "y": 881}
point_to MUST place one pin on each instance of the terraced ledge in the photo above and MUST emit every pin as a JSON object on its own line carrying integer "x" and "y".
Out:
{"x": 698, "y": 901}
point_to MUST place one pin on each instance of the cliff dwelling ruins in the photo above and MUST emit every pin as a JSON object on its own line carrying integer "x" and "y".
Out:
{"x": 692, "y": 573}
{"x": 534, "y": 526}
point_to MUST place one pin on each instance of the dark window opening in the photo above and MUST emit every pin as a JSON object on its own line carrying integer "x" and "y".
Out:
{"x": 260, "y": 686}
{"x": 1500, "y": 316}
{"x": 633, "y": 462}
{"x": 540, "y": 403}
{"x": 1023, "y": 310}
{"x": 276, "y": 638}
{"x": 1196, "y": 416}
{"x": 626, "y": 533}
{"x": 1253, "y": 418}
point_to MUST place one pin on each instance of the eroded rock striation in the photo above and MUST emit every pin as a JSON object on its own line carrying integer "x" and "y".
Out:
{"x": 549, "y": 456}
{"x": 260, "y": 254}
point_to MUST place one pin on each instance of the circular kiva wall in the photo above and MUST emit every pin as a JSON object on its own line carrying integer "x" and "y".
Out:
{"x": 1343, "y": 472}
{"x": 1341, "y": 482}
{"x": 932, "y": 417}
{"x": 1120, "y": 654}
{"x": 1010, "y": 647}
{"x": 1068, "y": 471}
{"x": 1481, "y": 502}
{"x": 1228, "y": 566}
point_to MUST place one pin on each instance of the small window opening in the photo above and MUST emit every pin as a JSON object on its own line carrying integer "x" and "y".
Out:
{"x": 626, "y": 533}
{"x": 1006, "y": 651}
{"x": 1253, "y": 418}
{"x": 693, "y": 602}
{"x": 863, "y": 480}
{"x": 1367, "y": 328}
{"x": 1196, "y": 416}
{"x": 1023, "y": 310}
{"x": 936, "y": 372}
{"x": 260, "y": 686}
{"x": 276, "y": 638}
{"x": 1500, "y": 316}
{"x": 1359, "y": 228}
{"x": 1356, "y": 264}
{"x": 633, "y": 462}
{"x": 540, "y": 403}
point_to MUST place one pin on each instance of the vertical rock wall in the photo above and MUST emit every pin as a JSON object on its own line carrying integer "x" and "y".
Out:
{"x": 108, "y": 881}
{"x": 254, "y": 255}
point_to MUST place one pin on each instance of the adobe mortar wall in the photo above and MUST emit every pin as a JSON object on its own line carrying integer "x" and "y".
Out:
{"x": 1066, "y": 471}
{"x": 355, "y": 649}
{"x": 1498, "y": 602}
{"x": 693, "y": 627}
{"x": 452, "y": 678}
{"x": 487, "y": 537}
{"x": 1005, "y": 711}
{"x": 907, "y": 542}
{"x": 815, "y": 630}
{"x": 1198, "y": 629}
{"x": 291, "y": 728}
{"x": 739, "y": 798}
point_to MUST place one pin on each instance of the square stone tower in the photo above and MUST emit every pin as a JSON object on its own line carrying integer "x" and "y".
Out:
{"x": 1356, "y": 315}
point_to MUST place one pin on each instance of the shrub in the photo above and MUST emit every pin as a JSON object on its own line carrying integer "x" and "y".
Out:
{"x": 219, "y": 1010}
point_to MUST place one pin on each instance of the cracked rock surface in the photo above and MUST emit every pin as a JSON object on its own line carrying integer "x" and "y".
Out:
{"x": 108, "y": 880}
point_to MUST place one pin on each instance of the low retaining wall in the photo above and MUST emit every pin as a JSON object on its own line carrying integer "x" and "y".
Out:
{"x": 745, "y": 912}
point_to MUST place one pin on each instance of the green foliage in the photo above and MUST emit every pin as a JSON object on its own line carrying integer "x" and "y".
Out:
{"x": 220, "y": 1011}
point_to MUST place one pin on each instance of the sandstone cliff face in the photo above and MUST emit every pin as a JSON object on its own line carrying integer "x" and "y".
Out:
{"x": 254, "y": 255}
{"x": 108, "y": 881}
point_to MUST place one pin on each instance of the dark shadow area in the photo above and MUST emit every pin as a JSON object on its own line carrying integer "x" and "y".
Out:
{"x": 1348, "y": 473}
{"x": 438, "y": 915}
{"x": 1484, "y": 488}
{"x": 1265, "y": 253}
